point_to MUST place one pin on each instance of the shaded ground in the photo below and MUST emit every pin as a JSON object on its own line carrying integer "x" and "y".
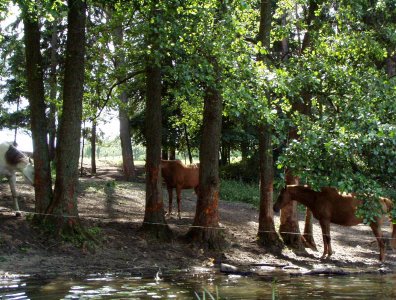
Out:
{"x": 115, "y": 209}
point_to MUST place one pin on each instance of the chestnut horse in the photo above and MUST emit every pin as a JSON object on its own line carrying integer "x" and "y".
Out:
{"x": 12, "y": 160}
{"x": 329, "y": 206}
{"x": 179, "y": 176}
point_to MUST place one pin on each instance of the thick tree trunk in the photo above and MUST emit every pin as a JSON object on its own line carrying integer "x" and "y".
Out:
{"x": 205, "y": 230}
{"x": 35, "y": 85}
{"x": 93, "y": 147}
{"x": 289, "y": 228}
{"x": 267, "y": 235}
{"x": 68, "y": 146}
{"x": 154, "y": 218}
{"x": 53, "y": 92}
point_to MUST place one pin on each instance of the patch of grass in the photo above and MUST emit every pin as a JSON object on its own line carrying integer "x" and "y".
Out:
{"x": 238, "y": 191}
{"x": 87, "y": 238}
{"x": 207, "y": 295}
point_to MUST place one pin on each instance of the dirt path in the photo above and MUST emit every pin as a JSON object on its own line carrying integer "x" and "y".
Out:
{"x": 116, "y": 209}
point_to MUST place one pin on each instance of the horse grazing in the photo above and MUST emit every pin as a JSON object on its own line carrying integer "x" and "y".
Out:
{"x": 329, "y": 206}
{"x": 12, "y": 160}
{"x": 177, "y": 175}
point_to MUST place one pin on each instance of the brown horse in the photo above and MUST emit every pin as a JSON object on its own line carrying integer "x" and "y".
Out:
{"x": 179, "y": 176}
{"x": 328, "y": 206}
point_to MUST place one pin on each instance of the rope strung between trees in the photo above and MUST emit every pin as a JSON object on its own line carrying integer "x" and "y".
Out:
{"x": 182, "y": 225}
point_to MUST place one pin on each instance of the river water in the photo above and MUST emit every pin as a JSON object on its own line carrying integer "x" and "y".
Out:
{"x": 200, "y": 286}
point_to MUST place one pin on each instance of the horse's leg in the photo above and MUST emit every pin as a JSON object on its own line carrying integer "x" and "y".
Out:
{"x": 376, "y": 228}
{"x": 170, "y": 196}
{"x": 178, "y": 192}
{"x": 12, "y": 182}
{"x": 325, "y": 225}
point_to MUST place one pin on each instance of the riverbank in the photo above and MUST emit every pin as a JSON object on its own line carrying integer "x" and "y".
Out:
{"x": 114, "y": 210}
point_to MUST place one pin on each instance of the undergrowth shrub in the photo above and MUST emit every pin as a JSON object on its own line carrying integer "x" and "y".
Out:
{"x": 238, "y": 191}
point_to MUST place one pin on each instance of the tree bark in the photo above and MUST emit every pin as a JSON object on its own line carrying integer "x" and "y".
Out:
{"x": 205, "y": 230}
{"x": 53, "y": 92}
{"x": 154, "y": 223}
{"x": 93, "y": 147}
{"x": 126, "y": 141}
{"x": 390, "y": 63}
{"x": 188, "y": 144}
{"x": 67, "y": 151}
{"x": 289, "y": 228}
{"x": 35, "y": 85}
{"x": 267, "y": 235}
{"x": 154, "y": 218}
{"x": 125, "y": 133}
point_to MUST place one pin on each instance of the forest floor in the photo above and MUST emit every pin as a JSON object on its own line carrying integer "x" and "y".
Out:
{"x": 115, "y": 209}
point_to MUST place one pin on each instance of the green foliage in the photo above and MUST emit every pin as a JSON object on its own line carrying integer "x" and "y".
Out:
{"x": 245, "y": 170}
{"x": 347, "y": 140}
{"x": 237, "y": 191}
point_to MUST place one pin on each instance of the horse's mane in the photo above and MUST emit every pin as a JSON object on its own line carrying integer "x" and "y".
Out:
{"x": 13, "y": 156}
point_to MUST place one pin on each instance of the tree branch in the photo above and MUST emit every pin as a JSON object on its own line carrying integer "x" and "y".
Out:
{"x": 119, "y": 82}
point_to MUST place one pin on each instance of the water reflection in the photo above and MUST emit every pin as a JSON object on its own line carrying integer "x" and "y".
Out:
{"x": 187, "y": 286}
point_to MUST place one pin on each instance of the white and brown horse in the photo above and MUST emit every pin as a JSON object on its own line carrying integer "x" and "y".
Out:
{"x": 11, "y": 161}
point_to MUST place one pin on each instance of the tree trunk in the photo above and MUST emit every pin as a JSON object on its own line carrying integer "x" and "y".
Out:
{"x": 172, "y": 153}
{"x": 125, "y": 133}
{"x": 244, "y": 150}
{"x": 308, "y": 231}
{"x": 67, "y": 151}
{"x": 82, "y": 151}
{"x": 205, "y": 230}
{"x": 289, "y": 228}
{"x": 126, "y": 141}
{"x": 154, "y": 222}
{"x": 266, "y": 233}
{"x": 390, "y": 66}
{"x": 154, "y": 218}
{"x": 35, "y": 86}
{"x": 93, "y": 147}
{"x": 53, "y": 91}
{"x": 164, "y": 153}
{"x": 188, "y": 144}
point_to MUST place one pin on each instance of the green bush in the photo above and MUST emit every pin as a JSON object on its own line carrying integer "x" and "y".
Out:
{"x": 238, "y": 191}
{"x": 247, "y": 171}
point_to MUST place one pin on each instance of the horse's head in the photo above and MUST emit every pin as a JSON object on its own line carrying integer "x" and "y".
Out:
{"x": 282, "y": 200}
{"x": 28, "y": 172}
